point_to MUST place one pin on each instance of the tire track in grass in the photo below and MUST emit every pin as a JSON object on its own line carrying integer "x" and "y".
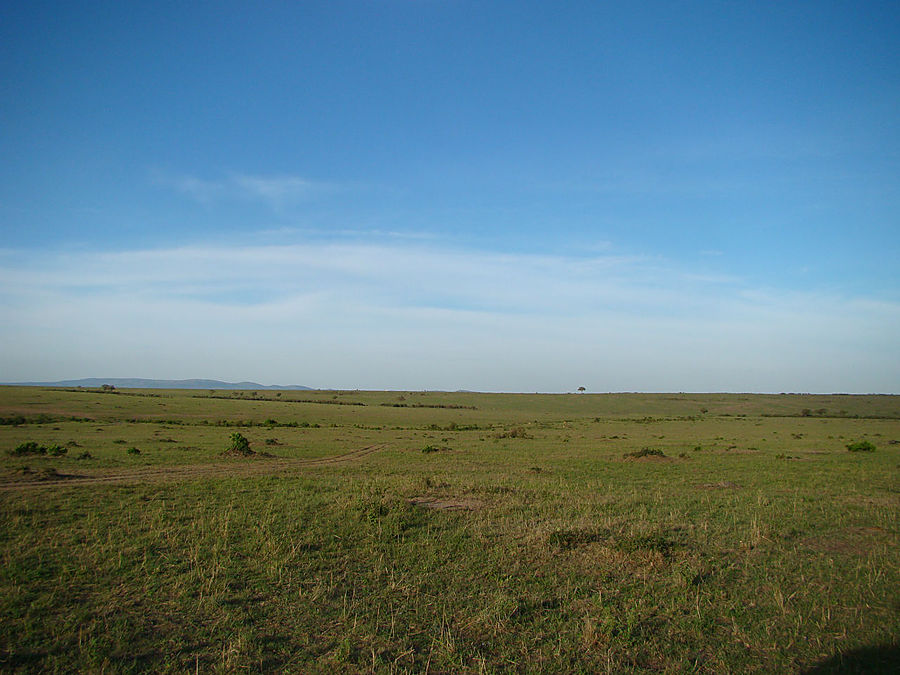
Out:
{"x": 249, "y": 467}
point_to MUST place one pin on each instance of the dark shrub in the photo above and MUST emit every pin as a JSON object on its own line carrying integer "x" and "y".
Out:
{"x": 13, "y": 421}
{"x": 645, "y": 452}
{"x": 861, "y": 446}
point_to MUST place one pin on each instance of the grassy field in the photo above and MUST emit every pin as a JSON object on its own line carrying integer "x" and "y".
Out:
{"x": 477, "y": 533}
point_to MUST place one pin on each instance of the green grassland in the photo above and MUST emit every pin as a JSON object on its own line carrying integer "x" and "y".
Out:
{"x": 488, "y": 533}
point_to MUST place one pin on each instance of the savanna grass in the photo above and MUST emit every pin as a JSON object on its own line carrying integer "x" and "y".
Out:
{"x": 545, "y": 550}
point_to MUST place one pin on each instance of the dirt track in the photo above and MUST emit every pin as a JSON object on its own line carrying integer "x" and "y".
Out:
{"x": 256, "y": 466}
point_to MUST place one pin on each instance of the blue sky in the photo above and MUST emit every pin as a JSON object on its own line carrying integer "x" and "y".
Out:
{"x": 512, "y": 196}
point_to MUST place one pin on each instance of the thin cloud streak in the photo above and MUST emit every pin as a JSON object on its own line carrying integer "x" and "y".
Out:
{"x": 409, "y": 274}
{"x": 276, "y": 188}
{"x": 274, "y": 191}
{"x": 403, "y": 316}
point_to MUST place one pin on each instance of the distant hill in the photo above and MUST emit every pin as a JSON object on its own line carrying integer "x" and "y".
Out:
{"x": 141, "y": 383}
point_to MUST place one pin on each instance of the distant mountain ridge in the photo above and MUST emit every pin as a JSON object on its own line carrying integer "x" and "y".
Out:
{"x": 142, "y": 383}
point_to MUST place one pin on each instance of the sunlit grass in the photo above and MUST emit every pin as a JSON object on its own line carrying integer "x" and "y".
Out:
{"x": 752, "y": 544}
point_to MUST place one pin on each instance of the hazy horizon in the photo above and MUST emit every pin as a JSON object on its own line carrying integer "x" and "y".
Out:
{"x": 120, "y": 382}
{"x": 513, "y": 196}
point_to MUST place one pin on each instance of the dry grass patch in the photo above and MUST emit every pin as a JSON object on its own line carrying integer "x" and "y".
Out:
{"x": 850, "y": 540}
{"x": 446, "y": 503}
{"x": 29, "y": 475}
{"x": 721, "y": 485}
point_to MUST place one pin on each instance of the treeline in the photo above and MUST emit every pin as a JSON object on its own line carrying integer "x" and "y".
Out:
{"x": 240, "y": 397}
{"x": 824, "y": 413}
{"x": 450, "y": 406}
{"x": 254, "y": 397}
{"x": 40, "y": 418}
{"x": 228, "y": 423}
{"x": 110, "y": 389}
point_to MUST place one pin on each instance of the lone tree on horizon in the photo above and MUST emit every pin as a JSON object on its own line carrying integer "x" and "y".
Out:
{"x": 581, "y": 390}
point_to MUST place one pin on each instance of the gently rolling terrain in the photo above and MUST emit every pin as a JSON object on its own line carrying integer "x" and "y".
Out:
{"x": 448, "y": 532}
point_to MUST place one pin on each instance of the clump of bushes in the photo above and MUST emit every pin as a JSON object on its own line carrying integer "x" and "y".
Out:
{"x": 239, "y": 446}
{"x": 861, "y": 446}
{"x": 32, "y": 448}
{"x": 133, "y": 451}
{"x": 515, "y": 432}
{"x": 645, "y": 452}
{"x": 13, "y": 421}
{"x": 29, "y": 448}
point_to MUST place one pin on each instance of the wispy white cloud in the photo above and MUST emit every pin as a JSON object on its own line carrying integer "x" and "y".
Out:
{"x": 275, "y": 191}
{"x": 276, "y": 188}
{"x": 348, "y": 234}
{"x": 203, "y": 191}
{"x": 397, "y": 314}
{"x": 408, "y": 275}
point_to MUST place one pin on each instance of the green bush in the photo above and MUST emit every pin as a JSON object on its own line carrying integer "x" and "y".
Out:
{"x": 29, "y": 448}
{"x": 133, "y": 451}
{"x": 861, "y": 446}
{"x": 32, "y": 448}
{"x": 239, "y": 445}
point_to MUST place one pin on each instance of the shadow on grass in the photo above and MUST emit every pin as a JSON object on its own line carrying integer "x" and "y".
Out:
{"x": 877, "y": 659}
